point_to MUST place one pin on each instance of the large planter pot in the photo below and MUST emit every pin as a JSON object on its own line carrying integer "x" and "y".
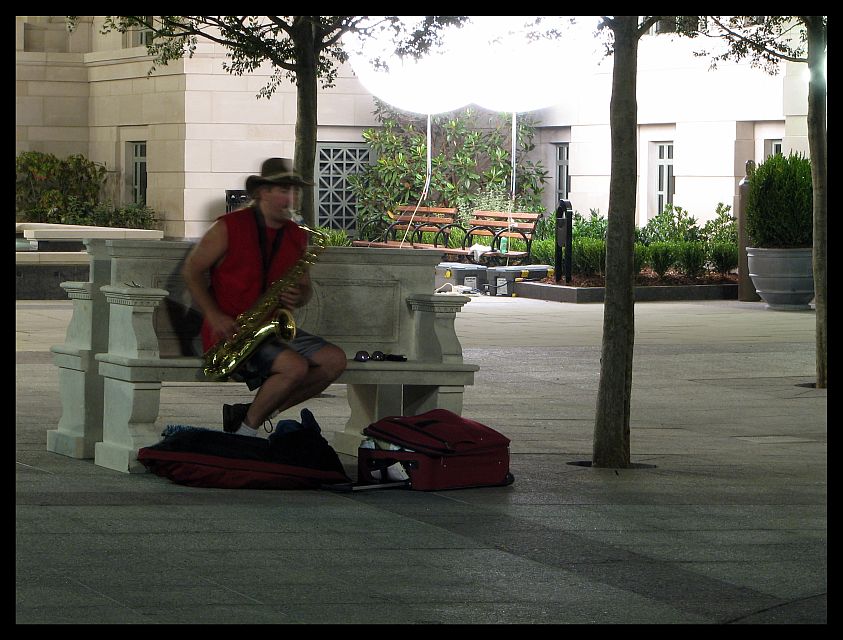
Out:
{"x": 784, "y": 278}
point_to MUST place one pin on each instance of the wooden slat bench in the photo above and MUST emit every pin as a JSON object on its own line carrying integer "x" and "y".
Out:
{"x": 498, "y": 224}
{"x": 134, "y": 329}
{"x": 405, "y": 229}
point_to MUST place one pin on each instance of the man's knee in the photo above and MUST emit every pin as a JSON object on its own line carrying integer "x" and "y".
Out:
{"x": 334, "y": 361}
{"x": 291, "y": 365}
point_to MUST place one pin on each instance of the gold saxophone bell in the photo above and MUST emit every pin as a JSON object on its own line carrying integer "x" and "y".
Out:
{"x": 262, "y": 321}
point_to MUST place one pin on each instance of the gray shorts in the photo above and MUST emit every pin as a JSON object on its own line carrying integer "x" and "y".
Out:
{"x": 257, "y": 368}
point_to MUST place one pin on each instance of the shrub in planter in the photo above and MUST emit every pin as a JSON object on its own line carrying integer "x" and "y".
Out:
{"x": 640, "y": 257}
{"x": 131, "y": 216}
{"x": 691, "y": 258}
{"x": 672, "y": 224}
{"x": 662, "y": 257}
{"x": 592, "y": 227}
{"x": 588, "y": 256}
{"x": 723, "y": 228}
{"x": 543, "y": 251}
{"x": 723, "y": 256}
{"x": 779, "y": 206}
{"x": 779, "y": 225}
{"x": 335, "y": 237}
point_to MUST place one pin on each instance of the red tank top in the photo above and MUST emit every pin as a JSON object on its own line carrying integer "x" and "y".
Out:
{"x": 237, "y": 281}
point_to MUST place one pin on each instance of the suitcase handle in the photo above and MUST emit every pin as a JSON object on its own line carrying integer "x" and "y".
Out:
{"x": 418, "y": 427}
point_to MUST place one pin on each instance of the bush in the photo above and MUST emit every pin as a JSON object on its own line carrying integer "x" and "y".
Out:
{"x": 723, "y": 228}
{"x": 543, "y": 251}
{"x": 592, "y": 227}
{"x": 545, "y": 228}
{"x": 672, "y": 224}
{"x": 335, "y": 237}
{"x": 779, "y": 205}
{"x": 662, "y": 257}
{"x": 48, "y": 189}
{"x": 691, "y": 258}
{"x": 132, "y": 216}
{"x": 640, "y": 257}
{"x": 68, "y": 191}
{"x": 723, "y": 256}
{"x": 588, "y": 256}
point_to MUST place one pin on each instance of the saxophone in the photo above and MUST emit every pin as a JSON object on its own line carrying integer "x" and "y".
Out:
{"x": 263, "y": 320}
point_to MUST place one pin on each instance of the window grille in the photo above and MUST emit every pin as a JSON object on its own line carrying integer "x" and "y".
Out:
{"x": 336, "y": 204}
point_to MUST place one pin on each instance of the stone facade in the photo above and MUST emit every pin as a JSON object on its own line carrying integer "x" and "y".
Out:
{"x": 85, "y": 92}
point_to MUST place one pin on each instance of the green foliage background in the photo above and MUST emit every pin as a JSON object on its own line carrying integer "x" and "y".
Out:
{"x": 471, "y": 163}
{"x": 49, "y": 189}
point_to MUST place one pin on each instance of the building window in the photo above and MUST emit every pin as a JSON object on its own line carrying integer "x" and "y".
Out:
{"x": 139, "y": 36}
{"x": 138, "y": 164}
{"x": 563, "y": 175}
{"x": 336, "y": 206}
{"x": 672, "y": 24}
{"x": 664, "y": 175}
{"x": 772, "y": 147}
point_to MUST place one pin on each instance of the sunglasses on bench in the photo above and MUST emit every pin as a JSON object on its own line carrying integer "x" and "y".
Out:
{"x": 378, "y": 356}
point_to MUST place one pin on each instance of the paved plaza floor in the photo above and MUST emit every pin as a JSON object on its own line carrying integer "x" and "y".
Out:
{"x": 724, "y": 520}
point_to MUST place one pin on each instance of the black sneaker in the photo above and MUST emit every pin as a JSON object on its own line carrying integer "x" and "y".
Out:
{"x": 233, "y": 416}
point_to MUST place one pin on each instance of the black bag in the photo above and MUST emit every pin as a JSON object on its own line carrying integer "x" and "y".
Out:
{"x": 295, "y": 456}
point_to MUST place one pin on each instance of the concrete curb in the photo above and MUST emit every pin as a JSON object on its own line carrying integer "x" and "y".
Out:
{"x": 562, "y": 293}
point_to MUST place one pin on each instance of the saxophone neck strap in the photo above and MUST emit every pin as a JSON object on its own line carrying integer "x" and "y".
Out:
{"x": 266, "y": 257}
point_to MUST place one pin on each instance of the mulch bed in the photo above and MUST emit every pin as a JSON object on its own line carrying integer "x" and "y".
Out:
{"x": 648, "y": 278}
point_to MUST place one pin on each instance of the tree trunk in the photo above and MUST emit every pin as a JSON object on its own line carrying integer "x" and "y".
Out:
{"x": 817, "y": 143}
{"x": 611, "y": 428}
{"x": 307, "y": 55}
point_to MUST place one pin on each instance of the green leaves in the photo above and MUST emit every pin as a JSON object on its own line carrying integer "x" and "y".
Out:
{"x": 67, "y": 191}
{"x": 470, "y": 160}
{"x": 672, "y": 224}
{"x": 47, "y": 187}
{"x": 779, "y": 207}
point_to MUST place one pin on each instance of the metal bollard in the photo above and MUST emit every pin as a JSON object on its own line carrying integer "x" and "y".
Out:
{"x": 564, "y": 237}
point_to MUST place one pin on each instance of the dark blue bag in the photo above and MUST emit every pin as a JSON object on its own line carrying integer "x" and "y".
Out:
{"x": 295, "y": 456}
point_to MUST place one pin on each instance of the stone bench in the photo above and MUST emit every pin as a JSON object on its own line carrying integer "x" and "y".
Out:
{"x": 134, "y": 328}
{"x": 49, "y": 254}
{"x": 42, "y": 231}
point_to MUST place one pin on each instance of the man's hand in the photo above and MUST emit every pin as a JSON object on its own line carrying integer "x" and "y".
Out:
{"x": 292, "y": 297}
{"x": 222, "y": 326}
{"x": 297, "y": 295}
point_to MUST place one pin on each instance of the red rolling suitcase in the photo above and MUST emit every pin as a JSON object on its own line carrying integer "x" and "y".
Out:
{"x": 439, "y": 450}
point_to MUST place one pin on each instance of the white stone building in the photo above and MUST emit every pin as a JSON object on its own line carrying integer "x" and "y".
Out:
{"x": 188, "y": 132}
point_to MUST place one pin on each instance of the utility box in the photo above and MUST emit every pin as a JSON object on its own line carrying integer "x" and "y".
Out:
{"x": 235, "y": 199}
{"x": 500, "y": 281}
{"x": 458, "y": 273}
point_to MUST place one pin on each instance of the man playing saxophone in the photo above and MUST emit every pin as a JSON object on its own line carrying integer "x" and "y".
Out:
{"x": 245, "y": 252}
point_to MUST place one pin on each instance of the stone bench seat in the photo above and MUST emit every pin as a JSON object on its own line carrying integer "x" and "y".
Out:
{"x": 79, "y": 232}
{"x": 129, "y": 335}
{"x": 189, "y": 369}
